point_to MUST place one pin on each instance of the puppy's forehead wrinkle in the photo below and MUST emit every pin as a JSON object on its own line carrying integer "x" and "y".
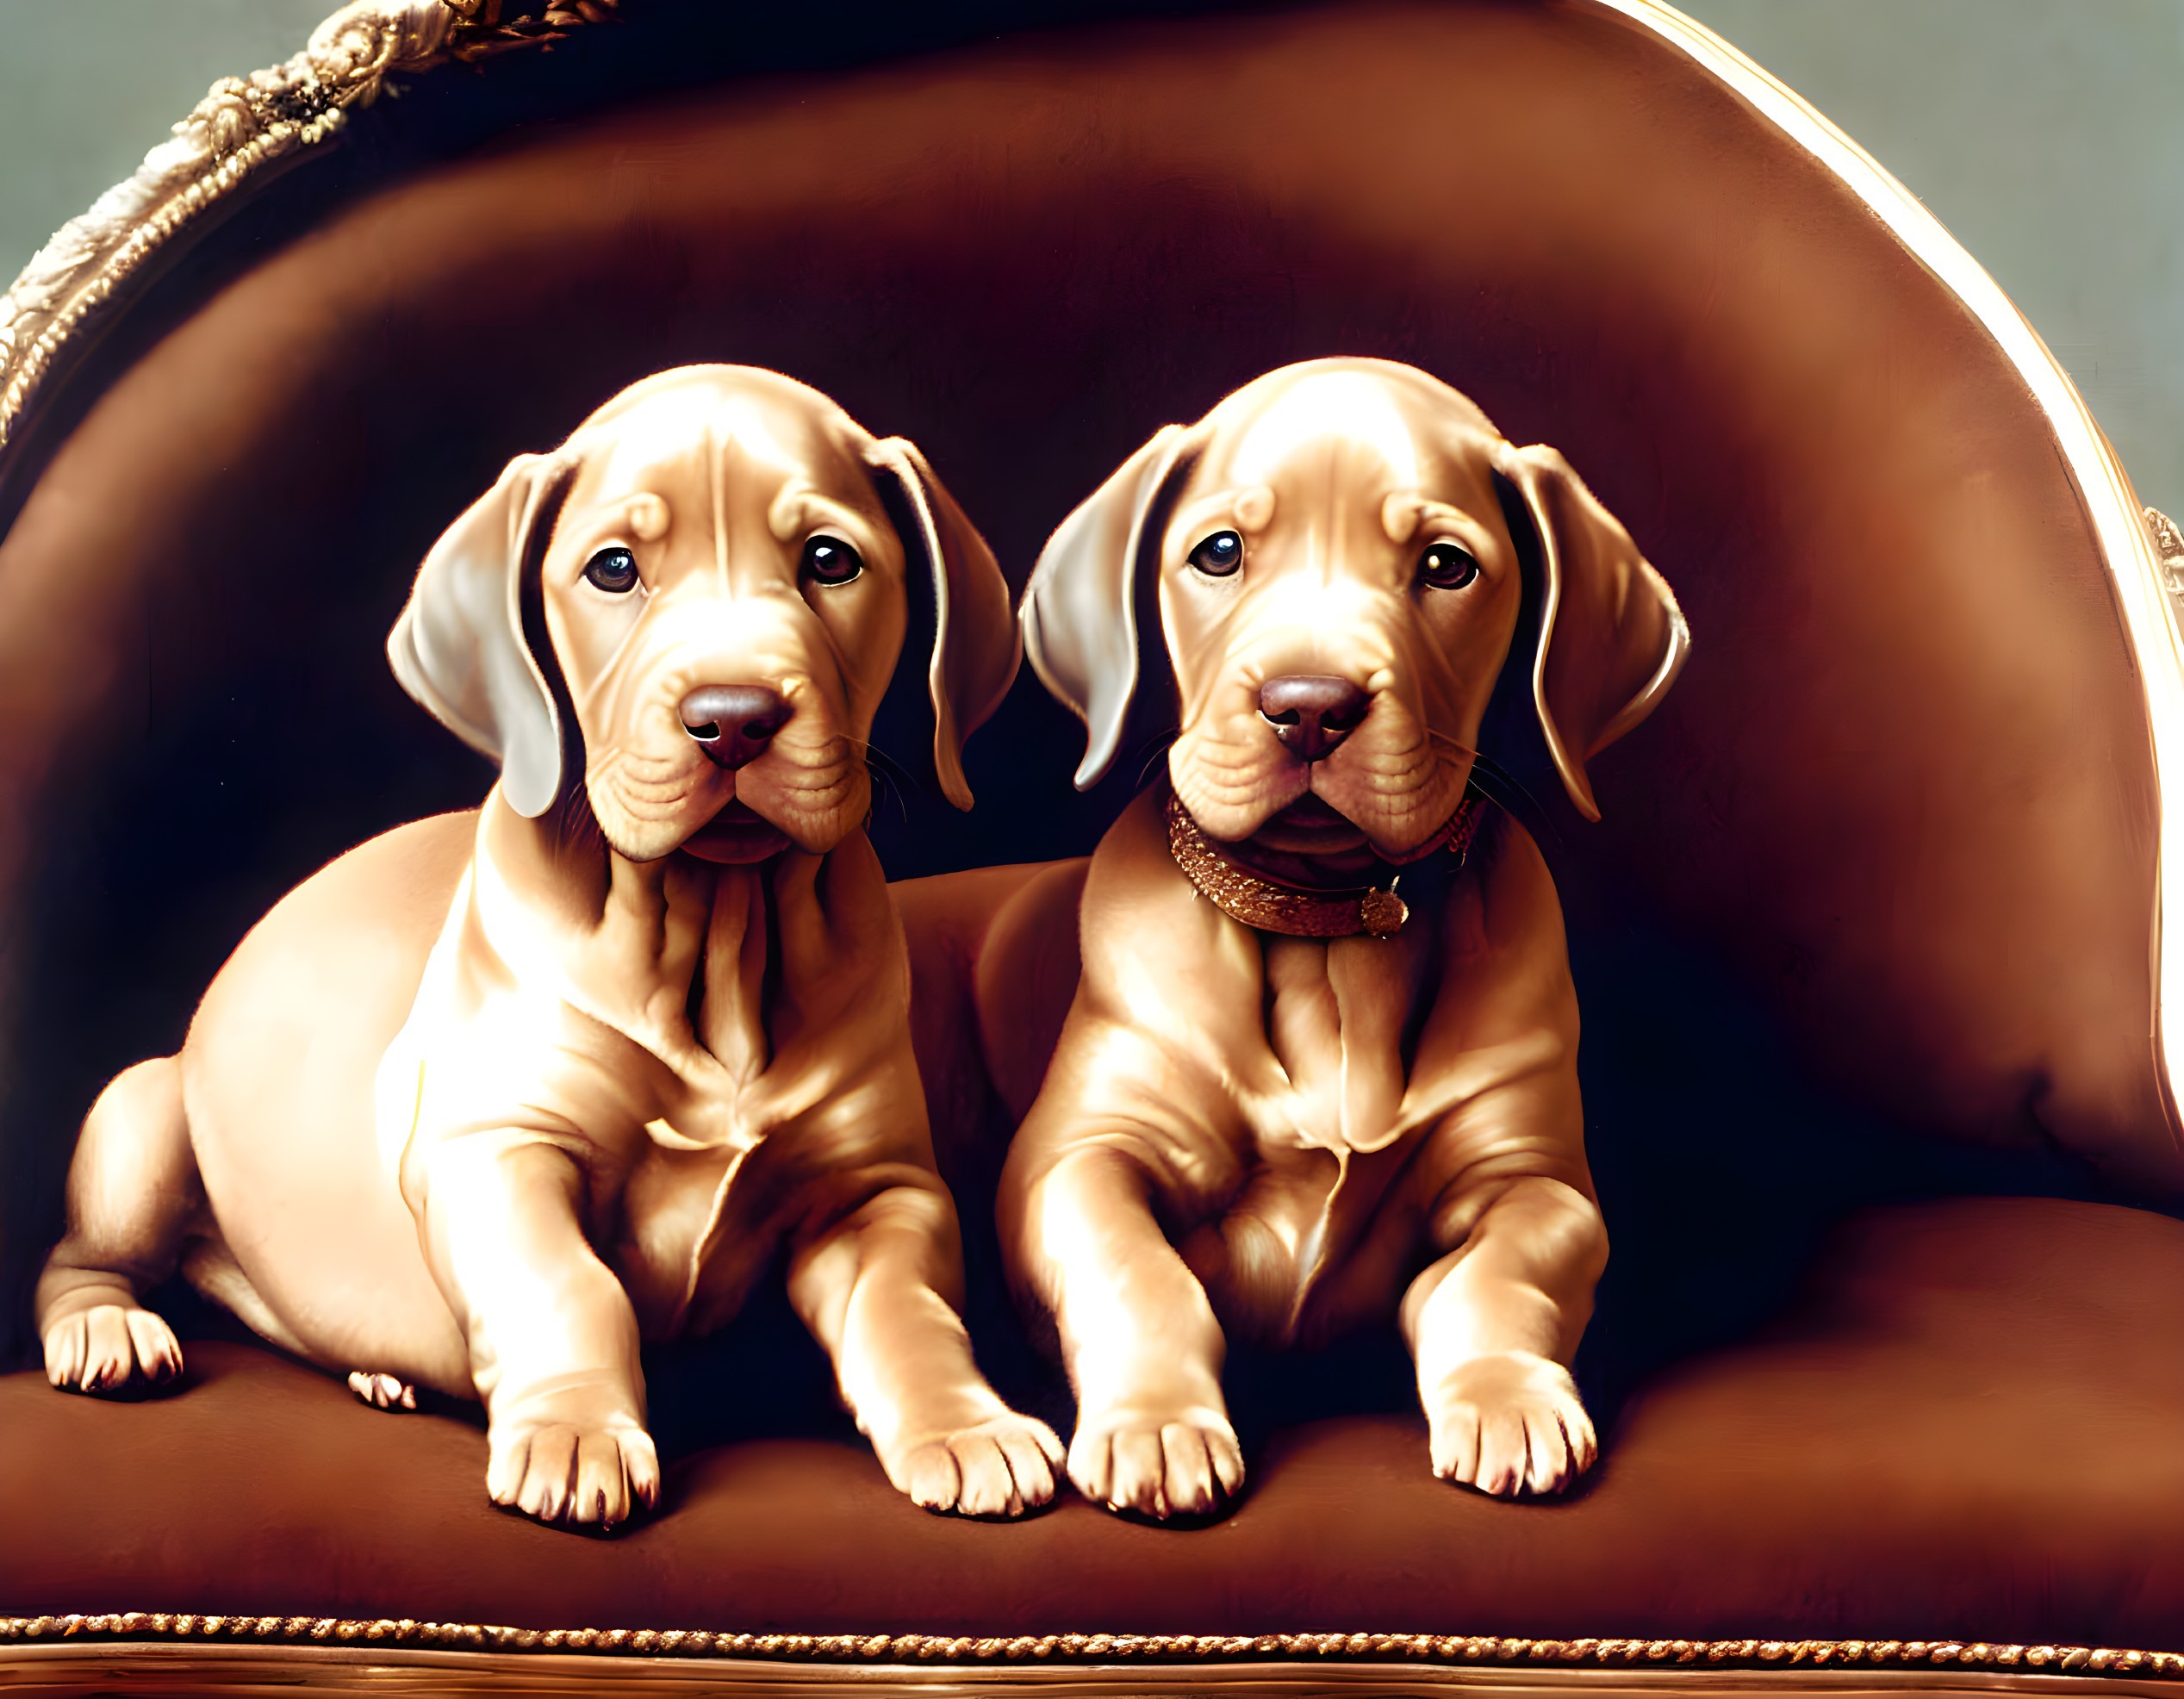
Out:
{"x": 657, "y": 430}
{"x": 718, "y": 469}
{"x": 1337, "y": 408}
{"x": 802, "y": 506}
{"x": 1408, "y": 515}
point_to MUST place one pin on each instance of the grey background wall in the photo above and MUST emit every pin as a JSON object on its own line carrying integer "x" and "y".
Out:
{"x": 2048, "y": 135}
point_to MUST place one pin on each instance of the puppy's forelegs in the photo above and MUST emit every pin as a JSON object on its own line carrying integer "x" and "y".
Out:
{"x": 1493, "y": 1326}
{"x": 1137, "y": 1334}
{"x": 553, "y": 1342}
{"x": 879, "y": 1290}
{"x": 132, "y": 1190}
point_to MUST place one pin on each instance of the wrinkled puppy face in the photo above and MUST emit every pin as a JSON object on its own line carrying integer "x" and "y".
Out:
{"x": 1338, "y": 591}
{"x": 725, "y": 597}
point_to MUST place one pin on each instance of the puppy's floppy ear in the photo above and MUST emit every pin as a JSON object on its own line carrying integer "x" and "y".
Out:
{"x": 459, "y": 647}
{"x": 975, "y": 649}
{"x": 1079, "y": 615}
{"x": 1612, "y": 638}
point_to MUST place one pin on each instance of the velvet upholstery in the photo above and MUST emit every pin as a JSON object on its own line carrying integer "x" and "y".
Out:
{"x": 1965, "y": 1431}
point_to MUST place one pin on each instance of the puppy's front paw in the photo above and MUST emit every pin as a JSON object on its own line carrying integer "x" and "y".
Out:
{"x": 1510, "y": 1423}
{"x": 556, "y": 1460}
{"x": 382, "y": 1392}
{"x": 1182, "y": 1461}
{"x": 1002, "y": 1467}
{"x": 105, "y": 1347}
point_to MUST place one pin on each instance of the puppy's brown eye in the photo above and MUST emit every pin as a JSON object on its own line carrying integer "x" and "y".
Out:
{"x": 1447, "y": 566}
{"x": 828, "y": 560}
{"x": 1220, "y": 555}
{"x": 613, "y": 571}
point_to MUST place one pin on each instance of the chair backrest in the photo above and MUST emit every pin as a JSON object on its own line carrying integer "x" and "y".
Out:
{"x": 1904, "y": 798}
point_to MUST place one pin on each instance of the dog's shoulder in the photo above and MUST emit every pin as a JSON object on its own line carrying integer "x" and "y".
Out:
{"x": 1504, "y": 904}
{"x": 1137, "y": 902}
{"x": 1503, "y": 975}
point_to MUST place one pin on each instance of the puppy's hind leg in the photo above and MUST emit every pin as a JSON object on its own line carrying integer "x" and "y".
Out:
{"x": 133, "y": 1194}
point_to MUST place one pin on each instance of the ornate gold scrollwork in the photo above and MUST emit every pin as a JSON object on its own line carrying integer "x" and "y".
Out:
{"x": 241, "y": 125}
{"x": 2168, "y": 550}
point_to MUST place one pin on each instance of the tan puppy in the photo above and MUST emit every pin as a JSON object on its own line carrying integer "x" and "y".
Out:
{"x": 1321, "y": 1064}
{"x": 628, "y": 1038}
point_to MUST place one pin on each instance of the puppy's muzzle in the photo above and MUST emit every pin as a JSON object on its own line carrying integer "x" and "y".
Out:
{"x": 1311, "y": 713}
{"x": 733, "y": 723}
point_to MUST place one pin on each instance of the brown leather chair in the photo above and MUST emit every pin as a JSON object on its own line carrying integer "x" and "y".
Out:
{"x": 1869, "y": 942}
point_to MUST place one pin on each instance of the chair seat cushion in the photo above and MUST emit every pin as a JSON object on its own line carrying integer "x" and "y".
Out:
{"x": 1968, "y": 1428}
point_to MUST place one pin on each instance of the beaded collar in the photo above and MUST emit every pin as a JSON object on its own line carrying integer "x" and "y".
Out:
{"x": 1269, "y": 906}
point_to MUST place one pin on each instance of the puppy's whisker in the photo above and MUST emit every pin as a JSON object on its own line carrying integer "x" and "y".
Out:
{"x": 890, "y": 777}
{"x": 1153, "y": 750}
{"x": 1501, "y": 787}
{"x": 577, "y": 834}
{"x": 1469, "y": 751}
{"x": 885, "y": 789}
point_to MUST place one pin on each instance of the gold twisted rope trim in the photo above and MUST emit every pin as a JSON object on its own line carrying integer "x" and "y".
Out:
{"x": 2169, "y": 550}
{"x": 1445, "y": 1649}
{"x": 243, "y": 125}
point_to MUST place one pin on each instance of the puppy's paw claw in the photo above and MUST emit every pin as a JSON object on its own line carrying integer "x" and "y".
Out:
{"x": 1159, "y": 1464}
{"x": 383, "y": 1391}
{"x": 573, "y": 1476}
{"x": 1510, "y": 1423}
{"x": 1000, "y": 1467}
{"x": 107, "y": 1347}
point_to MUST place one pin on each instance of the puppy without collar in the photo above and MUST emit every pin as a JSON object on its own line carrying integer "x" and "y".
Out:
{"x": 1320, "y": 1068}
{"x": 632, "y": 1030}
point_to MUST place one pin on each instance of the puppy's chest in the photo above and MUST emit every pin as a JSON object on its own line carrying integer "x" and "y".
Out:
{"x": 1333, "y": 1109}
{"x": 1281, "y": 1262}
{"x": 1340, "y": 1019}
{"x": 694, "y": 1233}
{"x": 684, "y": 1249}
{"x": 701, "y": 994}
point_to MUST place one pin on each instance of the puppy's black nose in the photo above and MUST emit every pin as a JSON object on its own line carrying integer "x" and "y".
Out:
{"x": 733, "y": 723}
{"x": 1311, "y": 713}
